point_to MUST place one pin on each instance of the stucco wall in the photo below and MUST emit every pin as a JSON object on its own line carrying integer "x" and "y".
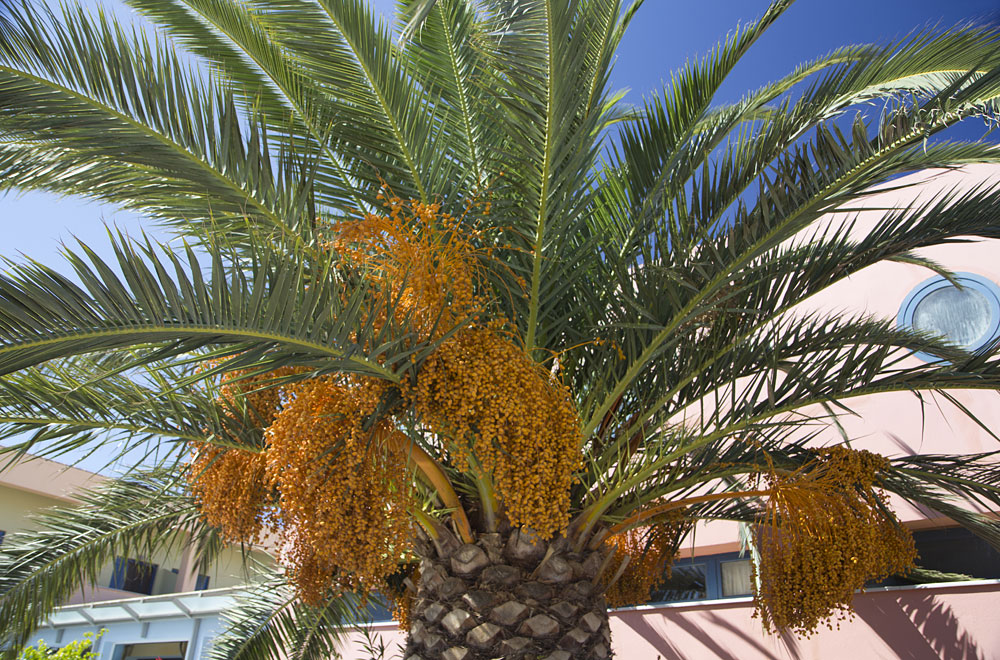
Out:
{"x": 932, "y": 622}
{"x": 897, "y": 424}
{"x": 34, "y": 485}
{"x": 16, "y": 504}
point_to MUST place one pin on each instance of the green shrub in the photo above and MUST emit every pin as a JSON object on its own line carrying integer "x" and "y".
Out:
{"x": 78, "y": 650}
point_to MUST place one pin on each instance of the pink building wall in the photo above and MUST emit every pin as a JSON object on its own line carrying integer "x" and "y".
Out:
{"x": 953, "y": 622}
{"x": 956, "y": 621}
{"x": 898, "y": 424}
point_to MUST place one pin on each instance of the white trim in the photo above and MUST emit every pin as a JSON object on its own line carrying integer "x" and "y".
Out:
{"x": 182, "y": 603}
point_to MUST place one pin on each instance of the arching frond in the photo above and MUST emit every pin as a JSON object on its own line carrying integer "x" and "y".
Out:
{"x": 294, "y": 312}
{"x": 268, "y": 622}
{"x": 162, "y": 140}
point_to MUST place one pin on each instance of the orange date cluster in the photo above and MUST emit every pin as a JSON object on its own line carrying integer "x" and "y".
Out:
{"x": 324, "y": 479}
{"x": 827, "y": 529}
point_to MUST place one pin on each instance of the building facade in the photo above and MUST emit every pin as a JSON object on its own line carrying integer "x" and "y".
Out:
{"x": 151, "y": 607}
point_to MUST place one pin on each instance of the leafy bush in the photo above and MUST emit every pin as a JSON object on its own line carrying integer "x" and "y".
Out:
{"x": 78, "y": 650}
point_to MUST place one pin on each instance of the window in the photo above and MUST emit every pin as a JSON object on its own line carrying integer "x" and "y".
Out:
{"x": 951, "y": 550}
{"x": 727, "y": 575}
{"x": 133, "y": 575}
{"x": 957, "y": 550}
{"x": 201, "y": 582}
{"x": 687, "y": 581}
{"x": 2, "y": 534}
{"x": 737, "y": 577}
{"x": 967, "y": 315}
{"x": 153, "y": 651}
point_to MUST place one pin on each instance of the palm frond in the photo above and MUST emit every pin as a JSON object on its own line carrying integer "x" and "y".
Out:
{"x": 808, "y": 182}
{"x": 445, "y": 55}
{"x": 554, "y": 69}
{"x": 85, "y": 403}
{"x": 238, "y": 42}
{"x": 163, "y": 141}
{"x": 295, "y": 312}
{"x": 268, "y": 622}
{"x": 382, "y": 118}
{"x": 952, "y": 485}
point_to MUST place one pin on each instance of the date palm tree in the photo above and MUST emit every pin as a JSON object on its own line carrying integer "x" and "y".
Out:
{"x": 445, "y": 295}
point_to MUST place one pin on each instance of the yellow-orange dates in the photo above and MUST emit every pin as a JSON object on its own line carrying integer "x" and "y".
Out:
{"x": 826, "y": 530}
{"x": 229, "y": 486}
{"x": 491, "y": 401}
{"x": 343, "y": 491}
{"x": 325, "y": 482}
{"x": 650, "y": 551}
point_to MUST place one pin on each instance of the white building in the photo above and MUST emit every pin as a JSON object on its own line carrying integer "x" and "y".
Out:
{"x": 151, "y": 607}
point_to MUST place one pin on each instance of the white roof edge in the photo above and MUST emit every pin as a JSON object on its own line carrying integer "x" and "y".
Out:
{"x": 159, "y": 598}
{"x": 44, "y": 476}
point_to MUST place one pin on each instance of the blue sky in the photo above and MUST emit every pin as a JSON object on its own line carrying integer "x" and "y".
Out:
{"x": 664, "y": 34}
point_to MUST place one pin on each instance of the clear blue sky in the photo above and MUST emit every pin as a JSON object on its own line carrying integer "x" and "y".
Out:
{"x": 663, "y": 35}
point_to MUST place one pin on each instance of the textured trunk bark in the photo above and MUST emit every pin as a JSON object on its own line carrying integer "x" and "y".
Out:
{"x": 508, "y": 596}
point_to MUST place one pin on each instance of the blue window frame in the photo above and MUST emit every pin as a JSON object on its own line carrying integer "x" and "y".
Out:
{"x": 690, "y": 579}
{"x": 968, "y": 316}
{"x": 118, "y": 574}
{"x": 697, "y": 578}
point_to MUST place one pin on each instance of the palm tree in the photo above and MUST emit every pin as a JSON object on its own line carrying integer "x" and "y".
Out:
{"x": 446, "y": 309}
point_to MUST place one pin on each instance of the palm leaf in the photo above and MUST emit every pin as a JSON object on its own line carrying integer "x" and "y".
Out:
{"x": 294, "y": 312}
{"x": 163, "y": 141}
{"x": 267, "y": 622}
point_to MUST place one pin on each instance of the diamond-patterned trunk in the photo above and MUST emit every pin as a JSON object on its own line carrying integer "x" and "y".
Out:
{"x": 508, "y": 596}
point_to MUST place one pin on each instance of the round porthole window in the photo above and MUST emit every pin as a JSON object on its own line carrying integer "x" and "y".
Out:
{"x": 967, "y": 315}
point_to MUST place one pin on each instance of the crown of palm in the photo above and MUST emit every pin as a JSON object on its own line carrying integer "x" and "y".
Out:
{"x": 641, "y": 255}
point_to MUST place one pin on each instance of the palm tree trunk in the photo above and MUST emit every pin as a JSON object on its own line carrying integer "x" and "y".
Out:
{"x": 507, "y": 596}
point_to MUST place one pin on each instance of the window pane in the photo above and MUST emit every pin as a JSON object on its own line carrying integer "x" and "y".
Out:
{"x": 957, "y": 550}
{"x": 685, "y": 583}
{"x": 155, "y": 651}
{"x": 139, "y": 577}
{"x": 737, "y": 578}
{"x": 961, "y": 315}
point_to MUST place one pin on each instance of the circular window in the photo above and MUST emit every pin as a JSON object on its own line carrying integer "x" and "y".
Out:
{"x": 967, "y": 315}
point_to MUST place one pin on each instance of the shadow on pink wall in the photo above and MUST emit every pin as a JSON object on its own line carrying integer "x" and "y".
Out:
{"x": 921, "y": 627}
{"x": 948, "y": 622}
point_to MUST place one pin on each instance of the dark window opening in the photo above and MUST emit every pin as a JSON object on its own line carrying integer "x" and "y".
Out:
{"x": 155, "y": 651}
{"x": 686, "y": 582}
{"x": 957, "y": 550}
{"x": 133, "y": 575}
{"x": 950, "y": 554}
